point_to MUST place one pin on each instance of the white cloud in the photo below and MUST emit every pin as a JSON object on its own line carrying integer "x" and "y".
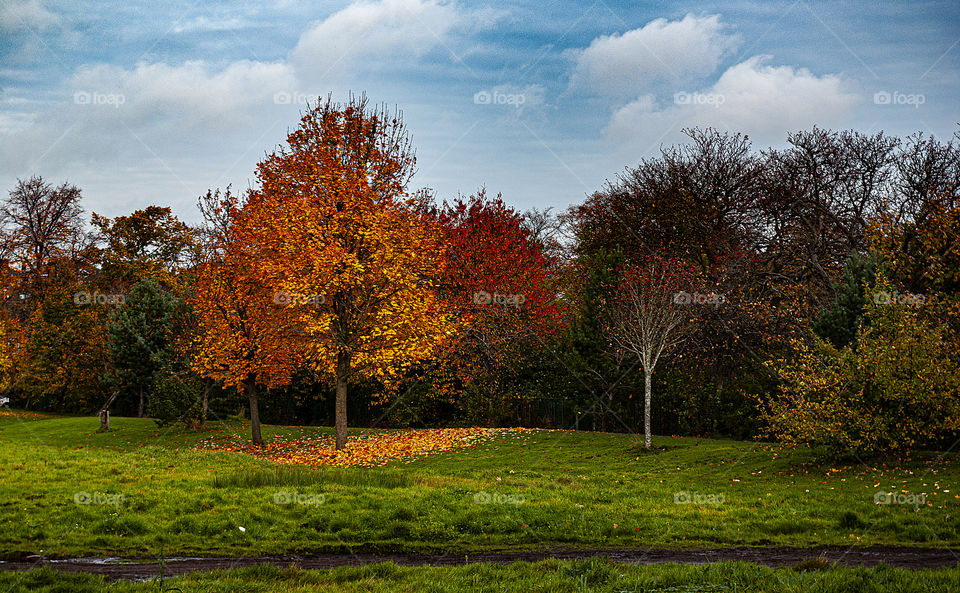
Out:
{"x": 104, "y": 111}
{"x": 155, "y": 109}
{"x": 187, "y": 94}
{"x": 26, "y": 13}
{"x": 765, "y": 102}
{"x": 374, "y": 31}
{"x": 626, "y": 64}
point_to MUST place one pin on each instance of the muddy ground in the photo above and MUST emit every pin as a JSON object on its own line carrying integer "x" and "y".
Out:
{"x": 143, "y": 568}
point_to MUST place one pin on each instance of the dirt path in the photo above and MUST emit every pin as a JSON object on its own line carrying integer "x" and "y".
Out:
{"x": 138, "y": 568}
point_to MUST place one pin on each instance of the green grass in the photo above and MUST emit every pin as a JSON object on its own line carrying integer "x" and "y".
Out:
{"x": 537, "y": 490}
{"x": 588, "y": 575}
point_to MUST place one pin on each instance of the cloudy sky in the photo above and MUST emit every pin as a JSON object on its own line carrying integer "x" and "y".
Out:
{"x": 154, "y": 104}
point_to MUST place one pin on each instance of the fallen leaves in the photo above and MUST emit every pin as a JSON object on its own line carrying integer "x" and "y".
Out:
{"x": 367, "y": 449}
{"x": 21, "y": 414}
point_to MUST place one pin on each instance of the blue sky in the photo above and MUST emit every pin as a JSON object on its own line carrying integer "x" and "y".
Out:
{"x": 142, "y": 104}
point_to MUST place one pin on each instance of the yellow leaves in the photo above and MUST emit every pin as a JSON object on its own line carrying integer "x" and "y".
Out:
{"x": 373, "y": 260}
{"x": 370, "y": 448}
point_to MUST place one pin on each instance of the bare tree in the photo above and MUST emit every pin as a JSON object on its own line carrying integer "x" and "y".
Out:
{"x": 652, "y": 315}
{"x": 43, "y": 227}
{"x": 820, "y": 194}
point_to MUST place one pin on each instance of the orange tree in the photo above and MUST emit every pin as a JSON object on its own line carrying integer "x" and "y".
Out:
{"x": 149, "y": 243}
{"x": 244, "y": 339}
{"x": 346, "y": 249}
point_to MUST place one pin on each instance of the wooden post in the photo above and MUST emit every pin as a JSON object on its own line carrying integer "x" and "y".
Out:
{"x": 104, "y": 412}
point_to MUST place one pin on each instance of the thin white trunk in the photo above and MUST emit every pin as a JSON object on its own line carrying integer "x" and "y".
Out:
{"x": 646, "y": 408}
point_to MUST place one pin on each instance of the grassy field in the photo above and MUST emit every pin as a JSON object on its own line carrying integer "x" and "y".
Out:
{"x": 66, "y": 490}
{"x": 593, "y": 575}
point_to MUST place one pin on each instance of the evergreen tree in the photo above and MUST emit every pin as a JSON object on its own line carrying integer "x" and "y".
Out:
{"x": 142, "y": 334}
{"x": 839, "y": 323}
{"x": 597, "y": 373}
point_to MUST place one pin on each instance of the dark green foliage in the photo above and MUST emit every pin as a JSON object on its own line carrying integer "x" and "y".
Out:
{"x": 839, "y": 323}
{"x": 142, "y": 334}
{"x": 688, "y": 401}
{"x": 598, "y": 378}
{"x": 176, "y": 397}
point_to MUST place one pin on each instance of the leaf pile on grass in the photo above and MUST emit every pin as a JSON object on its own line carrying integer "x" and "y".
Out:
{"x": 368, "y": 449}
{"x": 8, "y": 413}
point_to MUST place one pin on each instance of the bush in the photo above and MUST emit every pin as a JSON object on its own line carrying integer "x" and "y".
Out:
{"x": 899, "y": 389}
{"x": 176, "y": 398}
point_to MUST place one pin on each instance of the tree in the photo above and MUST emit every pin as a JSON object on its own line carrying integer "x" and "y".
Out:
{"x": 899, "y": 389}
{"x": 150, "y": 243}
{"x": 922, "y": 252}
{"x": 597, "y": 367}
{"x": 923, "y": 249}
{"x": 338, "y": 232}
{"x": 652, "y": 315}
{"x": 62, "y": 361}
{"x": 927, "y": 170}
{"x": 701, "y": 204}
{"x": 44, "y": 227}
{"x": 819, "y": 194}
{"x": 244, "y": 338}
{"x": 142, "y": 334}
{"x": 840, "y": 322}
{"x": 501, "y": 287}
{"x": 176, "y": 397}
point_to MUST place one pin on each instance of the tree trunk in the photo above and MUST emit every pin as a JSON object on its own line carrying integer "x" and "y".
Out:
{"x": 250, "y": 385}
{"x": 140, "y": 410}
{"x": 207, "y": 386}
{"x": 646, "y": 408}
{"x": 343, "y": 372}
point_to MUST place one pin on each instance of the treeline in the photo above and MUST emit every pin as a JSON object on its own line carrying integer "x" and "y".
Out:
{"x": 807, "y": 293}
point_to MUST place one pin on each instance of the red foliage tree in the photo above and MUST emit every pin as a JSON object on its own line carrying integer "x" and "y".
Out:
{"x": 501, "y": 286}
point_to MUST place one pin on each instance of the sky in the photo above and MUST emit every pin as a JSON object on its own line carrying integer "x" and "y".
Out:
{"x": 155, "y": 103}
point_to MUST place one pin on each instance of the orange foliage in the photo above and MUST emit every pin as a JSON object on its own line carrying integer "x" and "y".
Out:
{"x": 369, "y": 449}
{"x": 244, "y": 335}
{"x": 336, "y": 231}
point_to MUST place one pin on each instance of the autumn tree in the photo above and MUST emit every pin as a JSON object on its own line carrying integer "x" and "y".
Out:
{"x": 923, "y": 249}
{"x": 899, "y": 389}
{"x": 61, "y": 362}
{"x": 653, "y": 314}
{"x": 334, "y": 228}
{"x": 501, "y": 288}
{"x": 149, "y": 243}
{"x": 244, "y": 338}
